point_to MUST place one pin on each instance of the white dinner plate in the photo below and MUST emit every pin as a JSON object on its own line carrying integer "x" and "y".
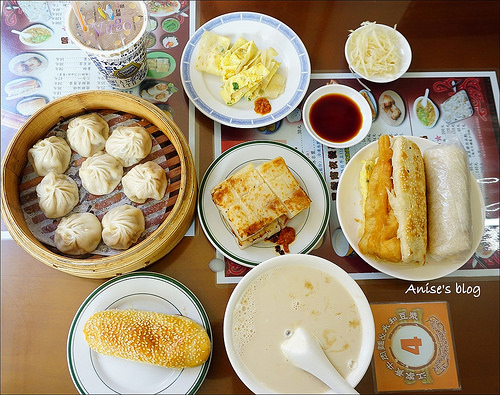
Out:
{"x": 203, "y": 88}
{"x": 350, "y": 218}
{"x": 94, "y": 373}
{"x": 309, "y": 225}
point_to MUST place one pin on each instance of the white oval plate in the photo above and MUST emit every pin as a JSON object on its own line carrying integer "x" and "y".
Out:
{"x": 165, "y": 8}
{"x": 38, "y": 25}
{"x": 93, "y": 373}
{"x": 372, "y": 102}
{"x": 22, "y": 58}
{"x": 203, "y": 88}
{"x": 350, "y": 216}
{"x": 30, "y": 91}
{"x": 309, "y": 225}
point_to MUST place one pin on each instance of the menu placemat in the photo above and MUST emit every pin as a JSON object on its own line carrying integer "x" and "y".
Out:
{"x": 469, "y": 107}
{"x": 414, "y": 348}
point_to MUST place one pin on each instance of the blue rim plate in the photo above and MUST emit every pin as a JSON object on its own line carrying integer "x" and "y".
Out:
{"x": 309, "y": 225}
{"x": 93, "y": 373}
{"x": 203, "y": 89}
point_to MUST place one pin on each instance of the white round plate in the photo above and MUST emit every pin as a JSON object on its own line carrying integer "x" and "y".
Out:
{"x": 399, "y": 103}
{"x": 309, "y": 225}
{"x": 203, "y": 88}
{"x": 93, "y": 373}
{"x": 350, "y": 218}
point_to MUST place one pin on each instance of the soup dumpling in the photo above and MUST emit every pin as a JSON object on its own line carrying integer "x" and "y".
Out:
{"x": 145, "y": 181}
{"x": 57, "y": 195}
{"x": 130, "y": 144}
{"x": 87, "y": 134}
{"x": 50, "y": 154}
{"x": 101, "y": 173}
{"x": 78, "y": 234}
{"x": 122, "y": 226}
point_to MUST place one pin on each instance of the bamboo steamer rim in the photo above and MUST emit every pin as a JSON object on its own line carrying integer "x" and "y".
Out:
{"x": 156, "y": 245}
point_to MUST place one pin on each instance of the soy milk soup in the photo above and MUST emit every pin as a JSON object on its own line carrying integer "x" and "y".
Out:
{"x": 283, "y": 299}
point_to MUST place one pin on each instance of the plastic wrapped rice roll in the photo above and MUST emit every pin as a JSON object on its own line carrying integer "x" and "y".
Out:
{"x": 449, "y": 219}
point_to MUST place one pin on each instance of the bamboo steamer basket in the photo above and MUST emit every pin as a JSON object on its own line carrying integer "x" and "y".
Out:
{"x": 168, "y": 234}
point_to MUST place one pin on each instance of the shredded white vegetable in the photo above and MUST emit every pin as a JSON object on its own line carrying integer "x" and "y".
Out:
{"x": 373, "y": 51}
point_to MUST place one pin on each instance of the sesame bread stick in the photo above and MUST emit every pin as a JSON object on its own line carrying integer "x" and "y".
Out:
{"x": 170, "y": 341}
{"x": 408, "y": 199}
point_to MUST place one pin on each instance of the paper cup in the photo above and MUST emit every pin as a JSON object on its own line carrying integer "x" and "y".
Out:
{"x": 124, "y": 66}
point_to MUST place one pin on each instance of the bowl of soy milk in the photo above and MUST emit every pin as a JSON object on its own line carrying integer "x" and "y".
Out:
{"x": 287, "y": 292}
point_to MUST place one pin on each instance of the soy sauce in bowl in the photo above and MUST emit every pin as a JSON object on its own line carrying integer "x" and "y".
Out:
{"x": 336, "y": 118}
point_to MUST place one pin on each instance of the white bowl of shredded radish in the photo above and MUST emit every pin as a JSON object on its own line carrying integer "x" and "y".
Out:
{"x": 377, "y": 52}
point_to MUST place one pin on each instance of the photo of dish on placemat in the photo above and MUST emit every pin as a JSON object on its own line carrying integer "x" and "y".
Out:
{"x": 160, "y": 64}
{"x": 28, "y": 64}
{"x": 163, "y": 8}
{"x": 391, "y": 108}
{"x": 309, "y": 225}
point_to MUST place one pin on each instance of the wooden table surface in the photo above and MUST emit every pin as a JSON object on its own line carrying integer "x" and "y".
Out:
{"x": 39, "y": 303}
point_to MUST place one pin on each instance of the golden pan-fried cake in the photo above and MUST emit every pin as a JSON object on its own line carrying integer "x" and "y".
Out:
{"x": 257, "y": 202}
{"x": 246, "y": 202}
{"x": 281, "y": 180}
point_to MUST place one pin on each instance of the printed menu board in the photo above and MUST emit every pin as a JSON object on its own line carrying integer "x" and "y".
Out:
{"x": 467, "y": 109}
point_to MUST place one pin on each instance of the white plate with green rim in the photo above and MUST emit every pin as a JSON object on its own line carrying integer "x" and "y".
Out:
{"x": 309, "y": 225}
{"x": 94, "y": 373}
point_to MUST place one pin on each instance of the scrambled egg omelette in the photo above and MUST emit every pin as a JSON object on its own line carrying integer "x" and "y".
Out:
{"x": 245, "y": 71}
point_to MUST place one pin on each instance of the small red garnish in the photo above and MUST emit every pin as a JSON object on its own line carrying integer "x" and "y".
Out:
{"x": 284, "y": 238}
{"x": 262, "y": 106}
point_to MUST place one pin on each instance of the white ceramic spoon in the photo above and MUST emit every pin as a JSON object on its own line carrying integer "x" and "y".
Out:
{"x": 22, "y": 34}
{"x": 304, "y": 351}
{"x": 424, "y": 100}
